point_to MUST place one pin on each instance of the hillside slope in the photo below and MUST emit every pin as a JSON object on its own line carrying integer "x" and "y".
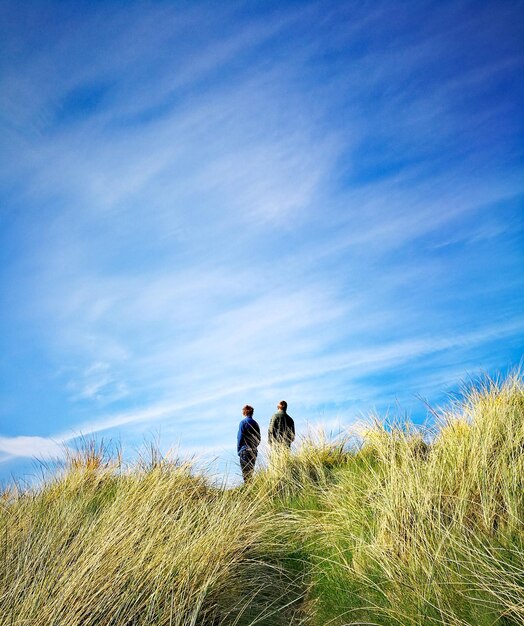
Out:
{"x": 398, "y": 531}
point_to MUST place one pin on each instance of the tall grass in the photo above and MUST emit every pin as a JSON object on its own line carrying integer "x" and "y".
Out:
{"x": 407, "y": 529}
{"x": 157, "y": 545}
{"x": 414, "y": 534}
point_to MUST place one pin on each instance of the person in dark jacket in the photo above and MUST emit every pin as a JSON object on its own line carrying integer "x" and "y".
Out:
{"x": 248, "y": 439}
{"x": 281, "y": 427}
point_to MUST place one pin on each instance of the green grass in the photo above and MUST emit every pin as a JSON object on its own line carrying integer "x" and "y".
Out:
{"x": 396, "y": 532}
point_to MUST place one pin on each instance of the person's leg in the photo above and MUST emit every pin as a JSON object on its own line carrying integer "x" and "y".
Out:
{"x": 242, "y": 459}
{"x": 247, "y": 463}
{"x": 252, "y": 462}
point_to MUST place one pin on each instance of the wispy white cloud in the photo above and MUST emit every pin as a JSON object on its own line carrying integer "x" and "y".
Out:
{"x": 288, "y": 205}
{"x": 361, "y": 362}
{"x": 43, "y": 448}
{"x": 96, "y": 382}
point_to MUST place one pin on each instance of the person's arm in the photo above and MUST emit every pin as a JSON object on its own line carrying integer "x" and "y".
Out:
{"x": 290, "y": 429}
{"x": 240, "y": 436}
{"x": 257, "y": 435}
{"x": 271, "y": 431}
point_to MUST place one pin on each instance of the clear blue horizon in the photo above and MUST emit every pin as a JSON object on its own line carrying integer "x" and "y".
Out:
{"x": 206, "y": 205}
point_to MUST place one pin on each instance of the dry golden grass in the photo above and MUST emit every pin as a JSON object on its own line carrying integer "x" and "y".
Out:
{"x": 400, "y": 531}
{"x": 433, "y": 534}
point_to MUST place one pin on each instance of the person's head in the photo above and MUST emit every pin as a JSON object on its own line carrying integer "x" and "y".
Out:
{"x": 248, "y": 410}
{"x": 282, "y": 405}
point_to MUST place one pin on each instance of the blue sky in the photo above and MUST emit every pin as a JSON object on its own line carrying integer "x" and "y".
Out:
{"x": 204, "y": 205}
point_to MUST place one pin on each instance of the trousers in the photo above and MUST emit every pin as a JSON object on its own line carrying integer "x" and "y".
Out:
{"x": 248, "y": 459}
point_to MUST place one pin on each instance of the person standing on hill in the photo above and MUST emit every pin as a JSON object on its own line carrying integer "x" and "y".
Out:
{"x": 281, "y": 427}
{"x": 248, "y": 439}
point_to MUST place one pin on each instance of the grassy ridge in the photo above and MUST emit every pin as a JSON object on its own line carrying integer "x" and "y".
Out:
{"x": 396, "y": 532}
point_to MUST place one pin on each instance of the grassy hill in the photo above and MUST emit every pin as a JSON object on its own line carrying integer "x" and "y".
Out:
{"x": 396, "y": 532}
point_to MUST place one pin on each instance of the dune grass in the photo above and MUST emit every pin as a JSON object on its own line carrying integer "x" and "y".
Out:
{"x": 408, "y": 528}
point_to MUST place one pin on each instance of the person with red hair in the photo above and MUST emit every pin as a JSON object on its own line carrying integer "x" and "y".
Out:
{"x": 248, "y": 440}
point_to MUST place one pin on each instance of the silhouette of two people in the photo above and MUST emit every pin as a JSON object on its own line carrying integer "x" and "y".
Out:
{"x": 281, "y": 433}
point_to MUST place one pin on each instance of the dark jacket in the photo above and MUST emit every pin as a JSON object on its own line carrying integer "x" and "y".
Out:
{"x": 281, "y": 428}
{"x": 248, "y": 436}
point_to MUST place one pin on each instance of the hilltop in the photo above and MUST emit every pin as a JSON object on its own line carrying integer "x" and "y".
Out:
{"x": 404, "y": 529}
